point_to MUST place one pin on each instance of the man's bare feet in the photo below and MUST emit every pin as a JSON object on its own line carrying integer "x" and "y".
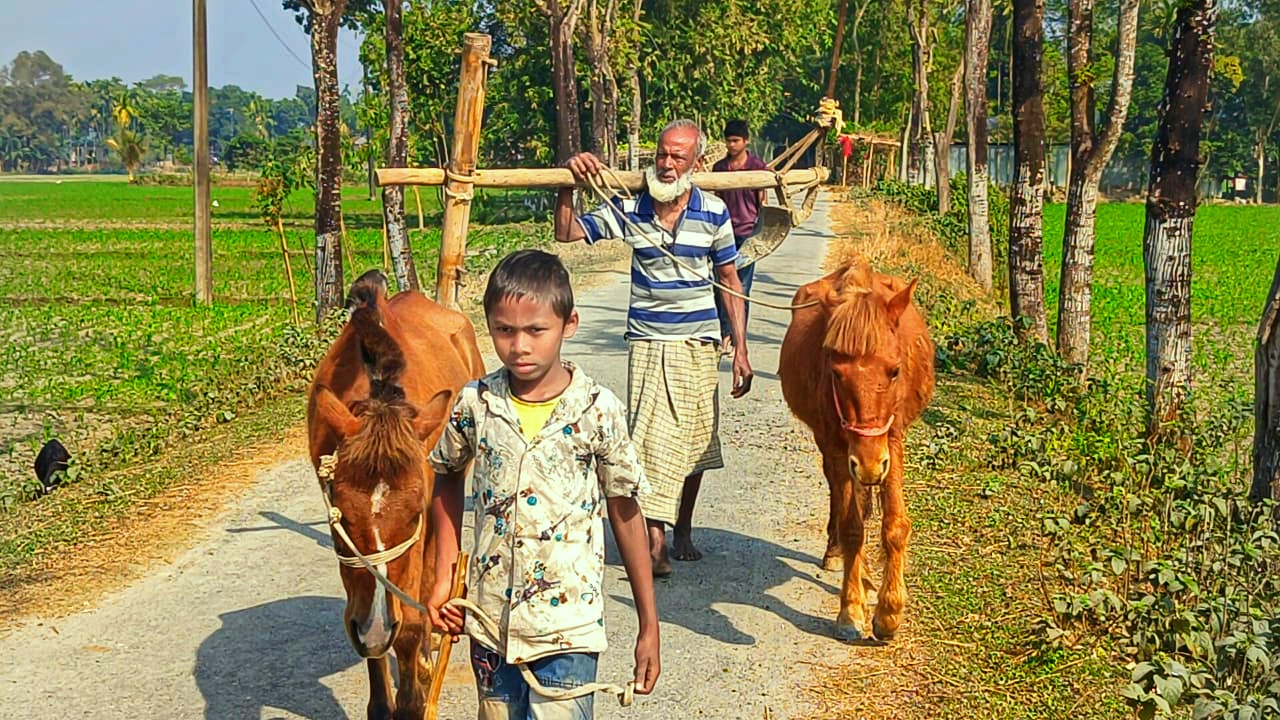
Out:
{"x": 658, "y": 550}
{"x": 682, "y": 546}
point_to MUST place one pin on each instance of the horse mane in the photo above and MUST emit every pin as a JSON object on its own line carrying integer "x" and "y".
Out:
{"x": 859, "y": 322}
{"x": 387, "y": 442}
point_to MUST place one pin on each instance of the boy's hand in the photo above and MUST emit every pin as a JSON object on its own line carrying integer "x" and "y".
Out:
{"x": 648, "y": 663}
{"x": 742, "y": 373}
{"x": 449, "y": 619}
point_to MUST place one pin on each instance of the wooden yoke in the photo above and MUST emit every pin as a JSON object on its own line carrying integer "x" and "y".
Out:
{"x": 555, "y": 178}
{"x": 460, "y": 183}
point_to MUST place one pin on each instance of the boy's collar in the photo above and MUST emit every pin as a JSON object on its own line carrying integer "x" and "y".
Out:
{"x": 576, "y": 398}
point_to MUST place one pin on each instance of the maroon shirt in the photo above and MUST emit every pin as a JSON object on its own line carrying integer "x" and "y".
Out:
{"x": 744, "y": 205}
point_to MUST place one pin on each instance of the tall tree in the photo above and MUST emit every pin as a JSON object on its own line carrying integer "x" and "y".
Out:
{"x": 859, "y": 11}
{"x": 563, "y": 16}
{"x": 598, "y": 32}
{"x": 842, "y": 16}
{"x": 322, "y": 19}
{"x": 397, "y": 149}
{"x": 944, "y": 139}
{"x": 633, "y": 84}
{"x": 1026, "y": 201}
{"x": 1171, "y": 212}
{"x": 1089, "y": 155}
{"x": 920, "y": 147}
{"x": 977, "y": 40}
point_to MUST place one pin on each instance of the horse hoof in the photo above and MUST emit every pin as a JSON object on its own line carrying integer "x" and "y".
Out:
{"x": 848, "y": 633}
{"x": 880, "y": 632}
{"x": 833, "y": 563}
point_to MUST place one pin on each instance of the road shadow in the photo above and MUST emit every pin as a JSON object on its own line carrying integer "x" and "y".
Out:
{"x": 273, "y": 656}
{"x": 735, "y": 570}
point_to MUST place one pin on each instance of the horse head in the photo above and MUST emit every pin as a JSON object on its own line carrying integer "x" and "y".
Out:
{"x": 378, "y": 483}
{"x": 866, "y": 361}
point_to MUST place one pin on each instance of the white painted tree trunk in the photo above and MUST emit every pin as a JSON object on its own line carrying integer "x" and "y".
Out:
{"x": 1091, "y": 153}
{"x": 1166, "y": 254}
{"x": 977, "y": 37}
{"x": 1266, "y": 404}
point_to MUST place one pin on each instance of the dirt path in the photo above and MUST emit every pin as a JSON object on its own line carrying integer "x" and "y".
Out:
{"x": 245, "y": 624}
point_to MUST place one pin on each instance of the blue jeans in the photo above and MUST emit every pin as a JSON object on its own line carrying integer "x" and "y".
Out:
{"x": 746, "y": 275}
{"x": 504, "y": 695}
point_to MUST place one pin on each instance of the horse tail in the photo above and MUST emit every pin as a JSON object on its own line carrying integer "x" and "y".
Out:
{"x": 383, "y": 360}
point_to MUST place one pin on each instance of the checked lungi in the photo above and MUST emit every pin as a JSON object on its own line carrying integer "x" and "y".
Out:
{"x": 673, "y": 411}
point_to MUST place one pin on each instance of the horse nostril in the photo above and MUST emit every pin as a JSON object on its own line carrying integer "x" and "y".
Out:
{"x": 884, "y": 467}
{"x": 853, "y": 467}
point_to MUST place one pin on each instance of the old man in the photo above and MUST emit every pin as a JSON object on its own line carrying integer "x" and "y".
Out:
{"x": 681, "y": 238}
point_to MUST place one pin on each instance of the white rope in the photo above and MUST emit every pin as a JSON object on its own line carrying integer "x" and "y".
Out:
{"x": 596, "y": 186}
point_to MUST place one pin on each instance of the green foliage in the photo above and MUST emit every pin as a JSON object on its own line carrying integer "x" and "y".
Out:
{"x": 953, "y": 228}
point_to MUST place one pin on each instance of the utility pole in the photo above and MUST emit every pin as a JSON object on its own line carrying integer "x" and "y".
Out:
{"x": 200, "y": 96}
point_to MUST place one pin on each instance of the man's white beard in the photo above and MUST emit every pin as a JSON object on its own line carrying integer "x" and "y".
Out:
{"x": 665, "y": 192}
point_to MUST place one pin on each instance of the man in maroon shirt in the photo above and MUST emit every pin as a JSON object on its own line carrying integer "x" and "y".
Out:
{"x": 744, "y": 211}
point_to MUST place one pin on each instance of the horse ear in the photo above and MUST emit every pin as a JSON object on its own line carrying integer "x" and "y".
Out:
{"x": 333, "y": 413}
{"x": 899, "y": 302}
{"x": 433, "y": 414}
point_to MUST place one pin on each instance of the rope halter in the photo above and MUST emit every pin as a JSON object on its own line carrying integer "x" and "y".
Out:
{"x": 863, "y": 430}
{"x": 368, "y": 562}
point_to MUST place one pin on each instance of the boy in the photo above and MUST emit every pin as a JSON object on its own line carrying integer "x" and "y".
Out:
{"x": 744, "y": 210}
{"x": 547, "y": 444}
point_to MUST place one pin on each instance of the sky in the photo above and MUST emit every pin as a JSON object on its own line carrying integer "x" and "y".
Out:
{"x": 136, "y": 39}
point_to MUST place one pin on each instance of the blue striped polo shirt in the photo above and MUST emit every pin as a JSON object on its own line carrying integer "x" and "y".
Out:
{"x": 668, "y": 302}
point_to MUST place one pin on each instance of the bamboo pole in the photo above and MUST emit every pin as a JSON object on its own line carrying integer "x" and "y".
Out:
{"x": 417, "y": 199}
{"x": 441, "y": 666}
{"x": 288, "y": 271}
{"x": 346, "y": 254}
{"x": 555, "y": 178}
{"x": 466, "y": 146}
{"x": 386, "y": 250}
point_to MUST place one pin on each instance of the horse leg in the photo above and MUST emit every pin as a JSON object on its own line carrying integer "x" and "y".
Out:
{"x": 895, "y": 532}
{"x": 380, "y": 705}
{"x": 831, "y": 559}
{"x": 411, "y": 695}
{"x": 853, "y": 616}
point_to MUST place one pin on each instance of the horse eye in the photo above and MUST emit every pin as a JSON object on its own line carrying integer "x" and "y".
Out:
{"x": 893, "y": 374}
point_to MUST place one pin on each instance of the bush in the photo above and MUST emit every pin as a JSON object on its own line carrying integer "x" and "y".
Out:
{"x": 1163, "y": 561}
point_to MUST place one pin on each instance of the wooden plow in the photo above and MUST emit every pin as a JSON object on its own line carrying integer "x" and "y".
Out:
{"x": 461, "y": 177}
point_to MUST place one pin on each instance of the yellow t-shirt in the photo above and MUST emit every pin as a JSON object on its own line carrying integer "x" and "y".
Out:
{"x": 533, "y": 415}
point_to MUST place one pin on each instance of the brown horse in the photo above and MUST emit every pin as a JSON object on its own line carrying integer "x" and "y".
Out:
{"x": 378, "y": 403}
{"x": 857, "y": 368}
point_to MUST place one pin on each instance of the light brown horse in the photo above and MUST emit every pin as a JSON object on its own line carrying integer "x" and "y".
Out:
{"x": 857, "y": 368}
{"x": 378, "y": 403}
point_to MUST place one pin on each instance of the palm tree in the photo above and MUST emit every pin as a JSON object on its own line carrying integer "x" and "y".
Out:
{"x": 130, "y": 147}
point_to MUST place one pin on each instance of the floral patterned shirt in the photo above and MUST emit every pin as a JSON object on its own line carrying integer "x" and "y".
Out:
{"x": 538, "y": 561}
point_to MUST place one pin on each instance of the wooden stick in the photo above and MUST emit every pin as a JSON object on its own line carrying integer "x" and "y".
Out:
{"x": 418, "y": 199}
{"x": 345, "y": 252}
{"x": 554, "y": 178}
{"x": 466, "y": 148}
{"x": 288, "y": 271}
{"x": 441, "y": 666}
{"x": 386, "y": 248}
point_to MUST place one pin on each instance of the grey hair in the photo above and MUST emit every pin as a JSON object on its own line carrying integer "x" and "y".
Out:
{"x": 682, "y": 123}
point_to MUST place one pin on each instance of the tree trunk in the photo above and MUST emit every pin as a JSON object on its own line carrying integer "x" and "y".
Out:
{"x": 563, "y": 16}
{"x": 920, "y": 138}
{"x": 633, "y": 81}
{"x": 1262, "y": 167}
{"x": 397, "y": 151}
{"x": 1266, "y": 404}
{"x": 945, "y": 139}
{"x": 857, "y": 60}
{"x": 324, "y": 58}
{"x": 1171, "y": 211}
{"x": 598, "y": 33}
{"x": 835, "y": 50}
{"x": 977, "y": 38}
{"x": 1090, "y": 153}
{"x": 1026, "y": 202}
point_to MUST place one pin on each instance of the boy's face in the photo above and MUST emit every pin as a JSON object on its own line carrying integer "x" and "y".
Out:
{"x": 526, "y": 336}
{"x": 735, "y": 145}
